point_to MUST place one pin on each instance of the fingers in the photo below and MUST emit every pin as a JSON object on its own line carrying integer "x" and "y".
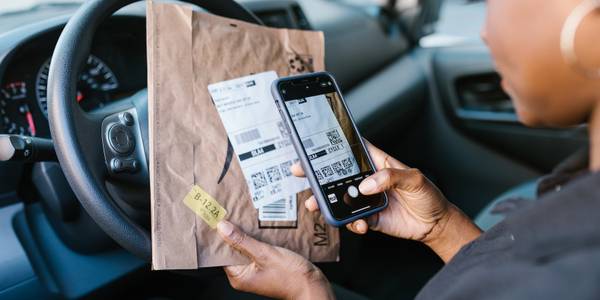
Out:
{"x": 297, "y": 170}
{"x": 389, "y": 178}
{"x": 240, "y": 241}
{"x": 311, "y": 204}
{"x": 358, "y": 226}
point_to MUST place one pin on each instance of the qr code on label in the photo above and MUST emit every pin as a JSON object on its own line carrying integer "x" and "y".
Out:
{"x": 339, "y": 169}
{"x": 285, "y": 168}
{"x": 334, "y": 137}
{"x": 282, "y": 129}
{"x": 327, "y": 171}
{"x": 258, "y": 180}
{"x": 273, "y": 174}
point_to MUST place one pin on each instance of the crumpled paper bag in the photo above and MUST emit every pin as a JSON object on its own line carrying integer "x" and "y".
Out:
{"x": 187, "y": 51}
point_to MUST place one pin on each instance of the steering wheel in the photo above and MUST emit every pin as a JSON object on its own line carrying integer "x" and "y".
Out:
{"x": 103, "y": 153}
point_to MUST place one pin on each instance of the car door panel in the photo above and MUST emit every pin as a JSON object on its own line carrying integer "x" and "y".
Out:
{"x": 472, "y": 97}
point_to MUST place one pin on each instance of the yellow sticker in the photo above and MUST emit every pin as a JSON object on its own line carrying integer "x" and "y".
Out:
{"x": 205, "y": 206}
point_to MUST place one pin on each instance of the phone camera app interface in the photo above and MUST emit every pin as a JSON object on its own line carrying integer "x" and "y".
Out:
{"x": 334, "y": 150}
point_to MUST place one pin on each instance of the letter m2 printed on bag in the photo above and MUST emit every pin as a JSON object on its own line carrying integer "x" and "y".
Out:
{"x": 321, "y": 237}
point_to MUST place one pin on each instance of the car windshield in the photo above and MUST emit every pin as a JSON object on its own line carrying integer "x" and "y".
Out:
{"x": 7, "y": 7}
{"x": 23, "y": 12}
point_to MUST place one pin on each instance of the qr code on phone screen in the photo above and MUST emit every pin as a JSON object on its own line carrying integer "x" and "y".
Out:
{"x": 327, "y": 171}
{"x": 339, "y": 169}
{"x": 334, "y": 137}
{"x": 347, "y": 163}
{"x": 319, "y": 175}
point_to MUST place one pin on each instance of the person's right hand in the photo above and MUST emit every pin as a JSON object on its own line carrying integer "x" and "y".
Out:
{"x": 417, "y": 210}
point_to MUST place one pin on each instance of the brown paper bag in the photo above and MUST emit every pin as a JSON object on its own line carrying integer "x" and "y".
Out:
{"x": 187, "y": 51}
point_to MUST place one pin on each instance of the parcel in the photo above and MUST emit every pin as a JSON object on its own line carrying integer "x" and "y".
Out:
{"x": 210, "y": 122}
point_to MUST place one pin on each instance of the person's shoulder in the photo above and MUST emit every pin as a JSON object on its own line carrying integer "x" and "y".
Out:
{"x": 529, "y": 249}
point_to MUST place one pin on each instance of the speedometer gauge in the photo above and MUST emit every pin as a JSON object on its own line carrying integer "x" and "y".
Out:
{"x": 15, "y": 116}
{"x": 96, "y": 81}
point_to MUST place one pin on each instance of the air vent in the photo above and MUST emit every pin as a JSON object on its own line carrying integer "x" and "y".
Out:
{"x": 483, "y": 93}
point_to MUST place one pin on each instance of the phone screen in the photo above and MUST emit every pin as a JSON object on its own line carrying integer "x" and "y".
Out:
{"x": 333, "y": 147}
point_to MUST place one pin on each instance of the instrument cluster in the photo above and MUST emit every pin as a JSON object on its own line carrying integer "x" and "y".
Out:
{"x": 115, "y": 69}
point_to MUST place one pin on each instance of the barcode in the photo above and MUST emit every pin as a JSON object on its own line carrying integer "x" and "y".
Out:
{"x": 248, "y": 136}
{"x": 274, "y": 212}
{"x": 308, "y": 143}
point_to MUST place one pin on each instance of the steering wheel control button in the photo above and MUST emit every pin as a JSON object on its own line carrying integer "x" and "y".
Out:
{"x": 126, "y": 118}
{"x": 352, "y": 191}
{"x": 118, "y": 165}
{"x": 332, "y": 198}
{"x": 121, "y": 139}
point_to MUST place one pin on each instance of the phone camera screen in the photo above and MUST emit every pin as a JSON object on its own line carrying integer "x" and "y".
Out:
{"x": 332, "y": 146}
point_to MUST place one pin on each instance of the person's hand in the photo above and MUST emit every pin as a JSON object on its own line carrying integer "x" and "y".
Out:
{"x": 415, "y": 205}
{"x": 417, "y": 210}
{"x": 273, "y": 271}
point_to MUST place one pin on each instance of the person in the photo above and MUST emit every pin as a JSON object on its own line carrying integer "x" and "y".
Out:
{"x": 547, "y": 54}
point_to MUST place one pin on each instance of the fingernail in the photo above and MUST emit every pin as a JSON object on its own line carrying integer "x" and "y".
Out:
{"x": 225, "y": 228}
{"x": 367, "y": 186}
{"x": 361, "y": 227}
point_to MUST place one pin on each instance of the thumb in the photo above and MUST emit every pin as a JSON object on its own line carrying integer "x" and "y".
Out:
{"x": 243, "y": 243}
{"x": 410, "y": 180}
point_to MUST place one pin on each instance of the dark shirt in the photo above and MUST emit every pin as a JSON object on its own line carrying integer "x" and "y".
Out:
{"x": 545, "y": 249}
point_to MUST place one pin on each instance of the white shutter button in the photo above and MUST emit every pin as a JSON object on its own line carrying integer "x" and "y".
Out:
{"x": 352, "y": 191}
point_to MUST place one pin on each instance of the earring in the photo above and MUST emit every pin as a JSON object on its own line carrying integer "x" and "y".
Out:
{"x": 569, "y": 33}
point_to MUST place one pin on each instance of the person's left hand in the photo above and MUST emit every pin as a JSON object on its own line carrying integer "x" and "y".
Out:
{"x": 273, "y": 271}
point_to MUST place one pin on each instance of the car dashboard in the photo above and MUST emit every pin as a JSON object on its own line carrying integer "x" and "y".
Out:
{"x": 115, "y": 68}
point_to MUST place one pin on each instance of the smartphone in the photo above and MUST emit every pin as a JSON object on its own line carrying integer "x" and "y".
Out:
{"x": 330, "y": 149}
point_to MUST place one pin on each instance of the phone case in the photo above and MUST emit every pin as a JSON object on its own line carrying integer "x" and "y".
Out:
{"x": 310, "y": 175}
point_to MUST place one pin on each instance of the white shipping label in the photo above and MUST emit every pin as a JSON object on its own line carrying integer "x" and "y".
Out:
{"x": 258, "y": 136}
{"x": 326, "y": 145}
